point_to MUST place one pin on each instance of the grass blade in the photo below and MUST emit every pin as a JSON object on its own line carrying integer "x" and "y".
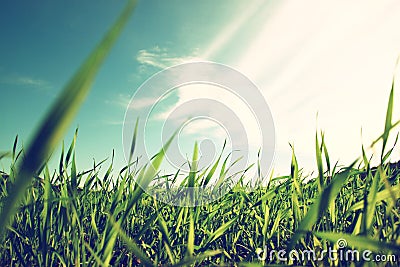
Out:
{"x": 388, "y": 121}
{"x": 190, "y": 242}
{"x": 214, "y": 168}
{"x": 319, "y": 164}
{"x": 134, "y": 137}
{"x": 193, "y": 167}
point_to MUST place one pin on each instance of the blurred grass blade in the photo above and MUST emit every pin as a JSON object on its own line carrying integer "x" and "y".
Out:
{"x": 59, "y": 117}
{"x": 190, "y": 242}
{"x": 4, "y": 155}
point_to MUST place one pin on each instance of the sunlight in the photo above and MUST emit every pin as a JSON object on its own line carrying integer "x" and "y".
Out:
{"x": 233, "y": 27}
{"x": 310, "y": 58}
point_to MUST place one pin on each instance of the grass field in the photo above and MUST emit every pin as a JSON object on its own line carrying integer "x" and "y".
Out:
{"x": 110, "y": 220}
{"x": 67, "y": 217}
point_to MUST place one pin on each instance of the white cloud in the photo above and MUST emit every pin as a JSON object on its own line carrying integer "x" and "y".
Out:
{"x": 161, "y": 58}
{"x": 143, "y": 103}
{"x": 205, "y": 128}
{"x": 123, "y": 101}
{"x": 110, "y": 122}
{"x": 31, "y": 81}
{"x": 26, "y": 81}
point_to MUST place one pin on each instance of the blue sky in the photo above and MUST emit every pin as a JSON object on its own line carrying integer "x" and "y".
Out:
{"x": 334, "y": 58}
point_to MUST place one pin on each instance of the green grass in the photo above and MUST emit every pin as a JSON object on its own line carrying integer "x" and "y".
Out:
{"x": 70, "y": 217}
{"x": 110, "y": 220}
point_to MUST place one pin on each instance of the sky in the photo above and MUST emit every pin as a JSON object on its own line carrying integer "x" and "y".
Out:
{"x": 320, "y": 65}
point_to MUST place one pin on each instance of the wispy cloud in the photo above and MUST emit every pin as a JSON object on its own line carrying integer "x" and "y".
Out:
{"x": 120, "y": 100}
{"x": 111, "y": 122}
{"x": 32, "y": 82}
{"x": 123, "y": 101}
{"x": 143, "y": 103}
{"x": 151, "y": 59}
{"x": 26, "y": 81}
{"x": 206, "y": 128}
{"x": 161, "y": 58}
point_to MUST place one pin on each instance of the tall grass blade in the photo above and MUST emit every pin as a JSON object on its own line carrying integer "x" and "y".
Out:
{"x": 371, "y": 199}
{"x": 214, "y": 168}
{"x": 319, "y": 164}
{"x": 222, "y": 175}
{"x": 294, "y": 172}
{"x": 14, "y": 150}
{"x": 326, "y": 154}
{"x": 193, "y": 167}
{"x": 190, "y": 242}
{"x": 388, "y": 121}
{"x": 133, "y": 144}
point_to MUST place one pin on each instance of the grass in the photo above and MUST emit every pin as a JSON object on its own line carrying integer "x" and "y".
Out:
{"x": 111, "y": 221}
{"x": 69, "y": 217}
